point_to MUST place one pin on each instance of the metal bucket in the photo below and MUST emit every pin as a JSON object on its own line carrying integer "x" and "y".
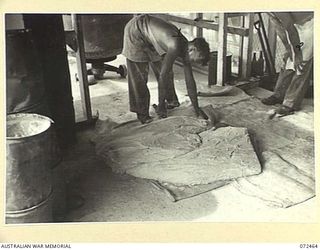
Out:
{"x": 41, "y": 213}
{"x": 28, "y": 171}
{"x": 24, "y": 79}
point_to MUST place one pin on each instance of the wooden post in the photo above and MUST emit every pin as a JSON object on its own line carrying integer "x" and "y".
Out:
{"x": 272, "y": 38}
{"x": 82, "y": 68}
{"x": 247, "y": 47}
{"x": 49, "y": 39}
{"x": 241, "y": 49}
{"x": 199, "y": 30}
{"x": 222, "y": 49}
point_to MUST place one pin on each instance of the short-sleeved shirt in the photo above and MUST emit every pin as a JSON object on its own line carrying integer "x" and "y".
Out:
{"x": 139, "y": 42}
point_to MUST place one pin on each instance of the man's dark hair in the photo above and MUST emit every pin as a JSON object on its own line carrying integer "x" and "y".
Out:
{"x": 203, "y": 47}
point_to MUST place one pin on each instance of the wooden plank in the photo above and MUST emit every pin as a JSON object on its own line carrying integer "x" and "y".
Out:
{"x": 222, "y": 49}
{"x": 236, "y": 14}
{"x": 203, "y": 24}
{"x": 238, "y": 31}
{"x": 178, "y": 19}
{"x": 82, "y": 68}
{"x": 247, "y": 47}
{"x": 241, "y": 40}
{"x": 246, "y": 85}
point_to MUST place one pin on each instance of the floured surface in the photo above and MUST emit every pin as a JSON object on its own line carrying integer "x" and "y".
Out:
{"x": 132, "y": 144}
{"x": 288, "y": 142}
{"x": 223, "y": 155}
{"x": 179, "y": 150}
{"x": 110, "y": 196}
{"x": 281, "y": 184}
{"x": 287, "y": 147}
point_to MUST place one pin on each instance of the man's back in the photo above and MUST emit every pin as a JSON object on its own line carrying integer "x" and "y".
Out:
{"x": 147, "y": 38}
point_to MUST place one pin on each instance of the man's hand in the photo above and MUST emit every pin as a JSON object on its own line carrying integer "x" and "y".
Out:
{"x": 298, "y": 60}
{"x": 298, "y": 63}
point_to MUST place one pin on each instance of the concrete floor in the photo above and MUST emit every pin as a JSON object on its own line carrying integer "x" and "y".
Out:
{"x": 110, "y": 197}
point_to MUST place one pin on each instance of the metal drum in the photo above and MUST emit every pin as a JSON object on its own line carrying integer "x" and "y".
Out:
{"x": 24, "y": 79}
{"x": 103, "y": 40}
{"x": 41, "y": 213}
{"x": 28, "y": 169}
{"x": 103, "y": 34}
{"x": 26, "y": 94}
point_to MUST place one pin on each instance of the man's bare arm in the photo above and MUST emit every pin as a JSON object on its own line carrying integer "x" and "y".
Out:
{"x": 191, "y": 86}
{"x": 281, "y": 33}
{"x": 192, "y": 90}
{"x": 293, "y": 35}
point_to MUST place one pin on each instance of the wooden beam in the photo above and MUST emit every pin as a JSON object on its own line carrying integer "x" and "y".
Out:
{"x": 199, "y": 30}
{"x": 203, "y": 24}
{"x": 272, "y": 38}
{"x": 247, "y": 47}
{"x": 82, "y": 68}
{"x": 222, "y": 49}
{"x": 241, "y": 40}
{"x": 236, "y": 14}
{"x": 49, "y": 40}
{"x": 178, "y": 19}
{"x": 238, "y": 31}
{"x": 266, "y": 46}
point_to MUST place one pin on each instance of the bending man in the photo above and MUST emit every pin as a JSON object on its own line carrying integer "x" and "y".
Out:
{"x": 151, "y": 40}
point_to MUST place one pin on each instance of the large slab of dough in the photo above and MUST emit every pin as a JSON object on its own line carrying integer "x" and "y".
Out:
{"x": 180, "y": 150}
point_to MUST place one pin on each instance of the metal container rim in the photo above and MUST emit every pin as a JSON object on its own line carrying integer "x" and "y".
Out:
{"x": 33, "y": 207}
{"x": 11, "y": 138}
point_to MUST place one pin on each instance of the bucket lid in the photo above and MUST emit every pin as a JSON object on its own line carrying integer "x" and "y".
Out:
{"x": 24, "y": 125}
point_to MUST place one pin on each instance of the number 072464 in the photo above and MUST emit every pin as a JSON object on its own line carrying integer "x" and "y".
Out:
{"x": 310, "y": 246}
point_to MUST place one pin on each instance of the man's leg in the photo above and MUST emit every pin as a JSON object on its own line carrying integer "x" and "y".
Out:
{"x": 139, "y": 96}
{"x": 171, "y": 96}
{"x": 283, "y": 82}
{"x": 298, "y": 87}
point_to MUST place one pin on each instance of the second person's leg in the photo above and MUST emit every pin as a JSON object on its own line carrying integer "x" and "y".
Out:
{"x": 283, "y": 82}
{"x": 298, "y": 87}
